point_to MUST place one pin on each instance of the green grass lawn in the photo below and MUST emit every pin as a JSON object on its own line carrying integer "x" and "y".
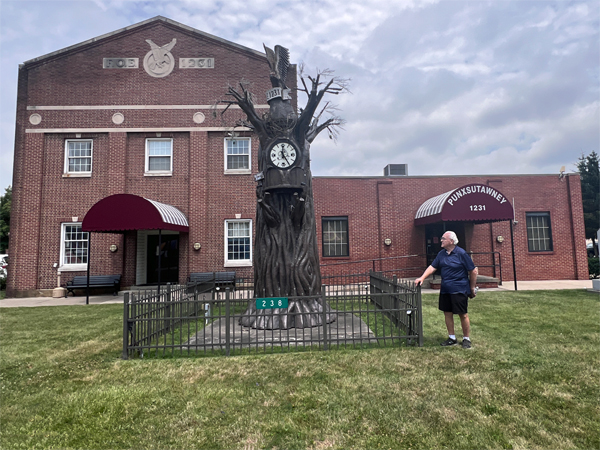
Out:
{"x": 530, "y": 382}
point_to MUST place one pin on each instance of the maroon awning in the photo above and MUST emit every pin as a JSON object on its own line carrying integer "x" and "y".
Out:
{"x": 476, "y": 203}
{"x": 122, "y": 212}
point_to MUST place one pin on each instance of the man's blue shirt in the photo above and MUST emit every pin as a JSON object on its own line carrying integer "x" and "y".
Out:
{"x": 454, "y": 269}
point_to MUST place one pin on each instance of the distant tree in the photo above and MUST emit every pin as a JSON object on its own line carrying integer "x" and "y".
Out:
{"x": 588, "y": 167}
{"x": 5, "y": 202}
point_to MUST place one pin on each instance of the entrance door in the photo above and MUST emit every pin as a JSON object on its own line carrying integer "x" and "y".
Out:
{"x": 169, "y": 259}
{"x": 433, "y": 233}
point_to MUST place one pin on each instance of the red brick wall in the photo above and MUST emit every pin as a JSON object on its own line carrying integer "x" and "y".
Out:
{"x": 358, "y": 198}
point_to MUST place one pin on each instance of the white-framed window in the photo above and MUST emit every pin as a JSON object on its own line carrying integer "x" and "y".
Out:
{"x": 159, "y": 156}
{"x": 238, "y": 243}
{"x": 539, "y": 233}
{"x": 73, "y": 247}
{"x": 335, "y": 236}
{"x": 78, "y": 157}
{"x": 237, "y": 155}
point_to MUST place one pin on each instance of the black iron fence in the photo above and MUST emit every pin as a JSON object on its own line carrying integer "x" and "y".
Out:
{"x": 188, "y": 320}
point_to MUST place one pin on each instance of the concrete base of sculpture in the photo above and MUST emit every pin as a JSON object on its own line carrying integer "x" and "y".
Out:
{"x": 348, "y": 329}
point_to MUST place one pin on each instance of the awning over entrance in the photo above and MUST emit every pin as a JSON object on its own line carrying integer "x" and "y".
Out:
{"x": 122, "y": 212}
{"x": 476, "y": 203}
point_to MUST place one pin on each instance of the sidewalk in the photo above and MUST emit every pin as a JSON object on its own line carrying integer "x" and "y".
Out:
{"x": 110, "y": 299}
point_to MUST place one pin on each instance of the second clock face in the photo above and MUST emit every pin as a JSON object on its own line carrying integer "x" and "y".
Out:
{"x": 283, "y": 154}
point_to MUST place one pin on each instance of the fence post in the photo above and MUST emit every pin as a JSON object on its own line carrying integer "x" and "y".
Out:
{"x": 168, "y": 320}
{"x": 324, "y": 308}
{"x": 125, "y": 354}
{"x": 420, "y": 318}
{"x": 227, "y": 330}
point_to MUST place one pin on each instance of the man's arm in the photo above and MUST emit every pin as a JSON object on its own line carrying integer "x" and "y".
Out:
{"x": 473, "y": 281}
{"x": 429, "y": 271}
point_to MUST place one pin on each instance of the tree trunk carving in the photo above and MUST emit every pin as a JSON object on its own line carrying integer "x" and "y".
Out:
{"x": 286, "y": 258}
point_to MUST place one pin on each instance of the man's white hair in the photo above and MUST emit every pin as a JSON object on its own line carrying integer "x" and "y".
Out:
{"x": 452, "y": 236}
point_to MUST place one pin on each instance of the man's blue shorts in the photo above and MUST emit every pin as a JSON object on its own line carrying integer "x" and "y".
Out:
{"x": 454, "y": 303}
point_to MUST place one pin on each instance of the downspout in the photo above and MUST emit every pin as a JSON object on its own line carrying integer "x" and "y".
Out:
{"x": 573, "y": 244}
{"x": 379, "y": 229}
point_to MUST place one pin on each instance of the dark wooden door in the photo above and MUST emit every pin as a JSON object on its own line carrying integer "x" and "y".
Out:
{"x": 169, "y": 262}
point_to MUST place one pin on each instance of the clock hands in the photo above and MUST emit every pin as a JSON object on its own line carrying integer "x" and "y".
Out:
{"x": 283, "y": 155}
{"x": 282, "y": 151}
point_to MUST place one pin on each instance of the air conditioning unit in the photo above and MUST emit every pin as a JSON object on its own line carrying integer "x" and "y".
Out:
{"x": 395, "y": 170}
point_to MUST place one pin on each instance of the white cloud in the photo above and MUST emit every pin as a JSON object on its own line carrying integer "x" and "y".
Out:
{"x": 447, "y": 87}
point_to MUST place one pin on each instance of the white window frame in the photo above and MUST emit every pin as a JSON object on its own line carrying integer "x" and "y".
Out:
{"x": 539, "y": 231}
{"x": 236, "y": 262}
{"x": 65, "y": 267}
{"x": 341, "y": 241}
{"x": 226, "y": 154}
{"x": 91, "y": 157}
{"x": 159, "y": 173}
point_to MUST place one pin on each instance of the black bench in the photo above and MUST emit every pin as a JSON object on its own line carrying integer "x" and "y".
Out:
{"x": 219, "y": 279}
{"x": 80, "y": 282}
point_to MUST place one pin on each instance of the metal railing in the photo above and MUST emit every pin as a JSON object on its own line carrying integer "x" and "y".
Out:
{"x": 362, "y": 310}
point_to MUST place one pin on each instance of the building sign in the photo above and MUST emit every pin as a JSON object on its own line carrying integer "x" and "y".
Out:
{"x": 120, "y": 63}
{"x": 271, "y": 303}
{"x": 159, "y": 61}
{"x": 196, "y": 63}
{"x": 473, "y": 189}
{"x": 476, "y": 203}
{"x": 278, "y": 92}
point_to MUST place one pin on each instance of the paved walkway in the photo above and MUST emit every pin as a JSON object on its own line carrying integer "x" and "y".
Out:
{"x": 108, "y": 299}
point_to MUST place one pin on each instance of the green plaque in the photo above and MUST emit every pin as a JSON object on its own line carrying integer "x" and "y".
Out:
{"x": 271, "y": 302}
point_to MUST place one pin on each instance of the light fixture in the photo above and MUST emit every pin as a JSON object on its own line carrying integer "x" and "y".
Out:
{"x": 197, "y": 246}
{"x": 500, "y": 239}
{"x": 561, "y": 175}
{"x": 388, "y": 242}
{"x": 113, "y": 248}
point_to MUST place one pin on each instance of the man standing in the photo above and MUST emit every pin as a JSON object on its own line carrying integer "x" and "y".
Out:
{"x": 459, "y": 276}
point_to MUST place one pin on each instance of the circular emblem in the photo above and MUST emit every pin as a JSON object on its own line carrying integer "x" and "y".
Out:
{"x": 283, "y": 154}
{"x": 198, "y": 117}
{"x": 159, "y": 62}
{"x": 118, "y": 118}
{"x": 35, "y": 119}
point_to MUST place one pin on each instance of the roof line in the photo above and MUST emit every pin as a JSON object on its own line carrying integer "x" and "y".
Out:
{"x": 137, "y": 25}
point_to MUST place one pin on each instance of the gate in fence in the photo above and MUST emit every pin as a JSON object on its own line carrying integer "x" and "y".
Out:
{"x": 198, "y": 319}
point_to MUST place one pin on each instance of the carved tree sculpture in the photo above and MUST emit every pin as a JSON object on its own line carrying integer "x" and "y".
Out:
{"x": 286, "y": 259}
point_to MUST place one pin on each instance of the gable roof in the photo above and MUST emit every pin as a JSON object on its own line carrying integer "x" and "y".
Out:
{"x": 138, "y": 25}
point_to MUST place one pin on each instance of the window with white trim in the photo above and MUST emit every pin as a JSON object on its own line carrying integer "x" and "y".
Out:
{"x": 539, "y": 234}
{"x": 238, "y": 243}
{"x": 237, "y": 155}
{"x": 78, "y": 157}
{"x": 73, "y": 247}
{"x": 159, "y": 156}
{"x": 335, "y": 236}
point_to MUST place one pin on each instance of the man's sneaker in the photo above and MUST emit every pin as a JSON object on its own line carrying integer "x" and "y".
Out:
{"x": 448, "y": 342}
{"x": 466, "y": 343}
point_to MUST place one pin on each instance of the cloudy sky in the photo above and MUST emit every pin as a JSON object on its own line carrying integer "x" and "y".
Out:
{"x": 448, "y": 87}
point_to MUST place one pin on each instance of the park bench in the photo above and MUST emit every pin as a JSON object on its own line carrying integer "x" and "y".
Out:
{"x": 96, "y": 281}
{"x": 219, "y": 279}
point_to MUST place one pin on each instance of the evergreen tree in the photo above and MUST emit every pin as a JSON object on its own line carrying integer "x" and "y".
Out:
{"x": 5, "y": 202}
{"x": 589, "y": 170}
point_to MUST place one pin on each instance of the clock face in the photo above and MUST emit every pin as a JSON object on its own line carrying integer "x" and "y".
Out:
{"x": 283, "y": 155}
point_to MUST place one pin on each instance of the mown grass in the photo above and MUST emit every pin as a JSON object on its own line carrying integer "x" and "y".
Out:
{"x": 531, "y": 381}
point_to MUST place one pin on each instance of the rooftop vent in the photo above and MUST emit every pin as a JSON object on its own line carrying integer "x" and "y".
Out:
{"x": 395, "y": 170}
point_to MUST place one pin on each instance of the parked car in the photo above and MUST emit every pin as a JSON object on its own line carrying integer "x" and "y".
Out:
{"x": 3, "y": 265}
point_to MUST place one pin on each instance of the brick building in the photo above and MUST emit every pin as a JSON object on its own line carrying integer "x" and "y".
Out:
{"x": 127, "y": 122}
